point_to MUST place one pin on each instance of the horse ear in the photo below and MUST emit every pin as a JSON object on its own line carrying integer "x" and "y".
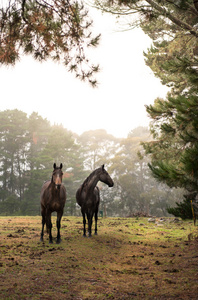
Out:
{"x": 61, "y": 165}
{"x": 54, "y": 166}
{"x": 103, "y": 167}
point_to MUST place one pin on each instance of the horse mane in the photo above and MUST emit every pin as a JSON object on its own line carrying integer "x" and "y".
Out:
{"x": 88, "y": 178}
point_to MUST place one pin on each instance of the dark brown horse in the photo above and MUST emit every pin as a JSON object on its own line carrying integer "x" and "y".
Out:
{"x": 53, "y": 198}
{"x": 88, "y": 196}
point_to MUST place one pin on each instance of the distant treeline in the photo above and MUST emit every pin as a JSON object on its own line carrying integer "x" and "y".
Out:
{"x": 30, "y": 145}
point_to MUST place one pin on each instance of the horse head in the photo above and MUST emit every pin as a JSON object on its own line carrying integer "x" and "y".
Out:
{"x": 105, "y": 177}
{"x": 57, "y": 176}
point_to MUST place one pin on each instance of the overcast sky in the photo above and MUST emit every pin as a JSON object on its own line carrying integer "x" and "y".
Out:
{"x": 126, "y": 84}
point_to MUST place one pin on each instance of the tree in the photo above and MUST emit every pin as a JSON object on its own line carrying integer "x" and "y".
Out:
{"x": 13, "y": 139}
{"x": 173, "y": 57}
{"x": 173, "y": 153}
{"x": 36, "y": 172}
{"x": 99, "y": 147}
{"x": 175, "y": 61}
{"x": 59, "y": 30}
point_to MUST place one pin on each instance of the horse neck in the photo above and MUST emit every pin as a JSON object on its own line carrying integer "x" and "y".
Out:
{"x": 53, "y": 189}
{"x": 93, "y": 180}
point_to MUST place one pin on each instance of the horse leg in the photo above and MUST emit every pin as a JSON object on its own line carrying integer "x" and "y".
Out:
{"x": 90, "y": 218}
{"x": 96, "y": 219}
{"x": 43, "y": 224}
{"x": 49, "y": 226}
{"x": 58, "y": 224}
{"x": 84, "y": 223}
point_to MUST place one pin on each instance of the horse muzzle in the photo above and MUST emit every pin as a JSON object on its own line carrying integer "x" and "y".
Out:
{"x": 58, "y": 186}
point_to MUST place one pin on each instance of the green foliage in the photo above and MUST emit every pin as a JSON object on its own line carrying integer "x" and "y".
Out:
{"x": 59, "y": 30}
{"x": 182, "y": 210}
{"x": 174, "y": 152}
{"x": 174, "y": 126}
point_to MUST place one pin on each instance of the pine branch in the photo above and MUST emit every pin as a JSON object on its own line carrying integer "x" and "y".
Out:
{"x": 175, "y": 20}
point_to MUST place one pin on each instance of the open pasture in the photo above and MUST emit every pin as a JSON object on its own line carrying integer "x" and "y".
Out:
{"x": 129, "y": 259}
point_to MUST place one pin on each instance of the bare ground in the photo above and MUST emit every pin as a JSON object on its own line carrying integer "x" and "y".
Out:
{"x": 129, "y": 259}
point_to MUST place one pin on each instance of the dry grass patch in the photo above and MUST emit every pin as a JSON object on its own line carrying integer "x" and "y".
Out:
{"x": 129, "y": 259}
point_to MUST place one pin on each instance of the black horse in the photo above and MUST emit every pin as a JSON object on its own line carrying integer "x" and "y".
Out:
{"x": 88, "y": 196}
{"x": 53, "y": 198}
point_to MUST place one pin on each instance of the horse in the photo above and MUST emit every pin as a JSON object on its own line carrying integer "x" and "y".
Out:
{"x": 88, "y": 197}
{"x": 53, "y": 198}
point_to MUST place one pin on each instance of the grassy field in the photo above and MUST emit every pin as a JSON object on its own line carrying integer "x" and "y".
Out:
{"x": 129, "y": 259}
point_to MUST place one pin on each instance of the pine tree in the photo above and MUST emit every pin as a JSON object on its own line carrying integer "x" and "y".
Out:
{"x": 173, "y": 57}
{"x": 13, "y": 141}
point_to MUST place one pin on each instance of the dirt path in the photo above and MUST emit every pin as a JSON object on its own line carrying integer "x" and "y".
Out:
{"x": 129, "y": 259}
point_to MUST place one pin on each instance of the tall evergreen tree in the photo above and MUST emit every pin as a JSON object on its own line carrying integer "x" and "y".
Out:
{"x": 97, "y": 144}
{"x": 173, "y": 57}
{"x": 36, "y": 171}
{"x": 13, "y": 141}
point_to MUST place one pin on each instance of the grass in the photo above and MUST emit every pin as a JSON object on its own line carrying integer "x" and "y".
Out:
{"x": 129, "y": 259}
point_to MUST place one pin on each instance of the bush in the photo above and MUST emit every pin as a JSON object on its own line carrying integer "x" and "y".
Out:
{"x": 183, "y": 209}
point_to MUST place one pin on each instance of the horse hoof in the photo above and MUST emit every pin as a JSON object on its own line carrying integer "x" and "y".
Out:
{"x": 96, "y": 233}
{"x": 50, "y": 242}
{"x": 58, "y": 241}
